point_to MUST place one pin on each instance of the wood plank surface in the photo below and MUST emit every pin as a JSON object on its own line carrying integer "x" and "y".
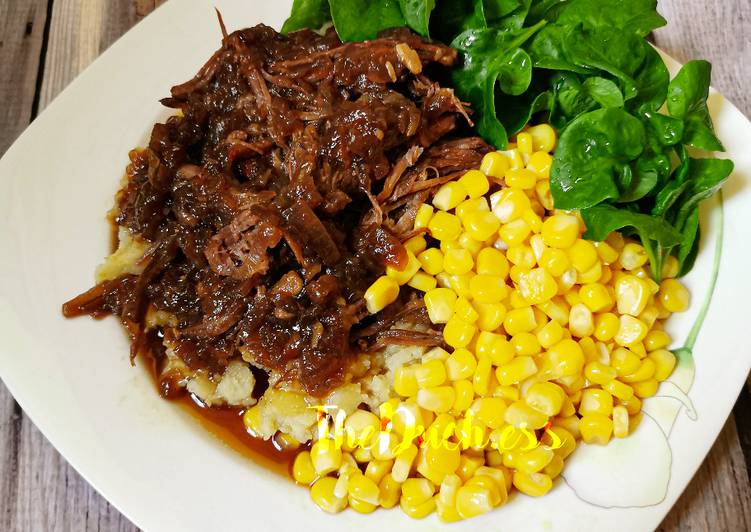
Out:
{"x": 44, "y": 44}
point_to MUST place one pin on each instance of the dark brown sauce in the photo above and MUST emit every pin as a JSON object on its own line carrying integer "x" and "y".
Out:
{"x": 226, "y": 424}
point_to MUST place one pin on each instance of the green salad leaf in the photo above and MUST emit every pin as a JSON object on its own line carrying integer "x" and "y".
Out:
{"x": 586, "y": 68}
{"x": 307, "y": 14}
{"x": 417, "y": 14}
{"x": 360, "y": 20}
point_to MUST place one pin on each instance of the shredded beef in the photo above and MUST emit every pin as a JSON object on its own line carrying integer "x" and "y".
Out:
{"x": 283, "y": 186}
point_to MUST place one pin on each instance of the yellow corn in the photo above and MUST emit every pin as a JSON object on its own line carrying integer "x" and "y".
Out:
{"x": 423, "y": 216}
{"x": 674, "y": 296}
{"x": 596, "y": 401}
{"x": 404, "y": 275}
{"x": 633, "y": 256}
{"x": 460, "y": 365}
{"x": 616, "y": 388}
{"x": 545, "y": 397}
{"x": 521, "y": 414}
{"x": 487, "y": 288}
{"x": 422, "y": 281}
{"x": 583, "y": 255}
{"x": 532, "y": 484}
{"x": 596, "y": 297}
{"x": 440, "y": 304}
{"x": 405, "y": 382}
{"x": 543, "y": 137}
{"x": 620, "y": 422}
{"x": 521, "y": 179}
{"x": 525, "y": 344}
{"x": 494, "y": 165}
{"x": 302, "y": 469}
{"x": 580, "y": 321}
{"x": 457, "y": 261}
{"x": 525, "y": 143}
{"x": 599, "y": 373}
{"x": 489, "y": 315}
{"x": 445, "y": 226}
{"x": 664, "y": 362}
{"x": 606, "y": 326}
{"x": 322, "y": 493}
{"x": 509, "y": 204}
{"x": 430, "y": 374}
{"x": 519, "y": 320}
{"x": 390, "y": 491}
{"x": 540, "y": 163}
{"x": 431, "y": 261}
{"x": 516, "y": 371}
{"x": 596, "y": 428}
{"x": 631, "y": 294}
{"x": 381, "y": 293}
{"x": 565, "y": 358}
{"x": 630, "y": 330}
{"x": 490, "y": 261}
{"x": 458, "y": 333}
{"x": 560, "y": 231}
{"x": 450, "y": 195}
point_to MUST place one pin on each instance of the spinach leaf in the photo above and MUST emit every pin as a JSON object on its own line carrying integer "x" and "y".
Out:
{"x": 453, "y": 17}
{"x": 513, "y": 20}
{"x": 687, "y": 99}
{"x": 307, "y": 14}
{"x": 572, "y": 97}
{"x": 603, "y": 91}
{"x": 515, "y": 112}
{"x": 704, "y": 178}
{"x": 651, "y": 79}
{"x": 601, "y": 220}
{"x": 360, "y": 20}
{"x": 689, "y": 245}
{"x": 417, "y": 14}
{"x": 666, "y": 130}
{"x": 639, "y": 17}
{"x": 497, "y": 9}
{"x": 489, "y": 54}
{"x": 593, "y": 154}
{"x": 651, "y": 168}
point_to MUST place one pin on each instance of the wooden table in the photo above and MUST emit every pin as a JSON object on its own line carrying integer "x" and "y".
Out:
{"x": 44, "y": 44}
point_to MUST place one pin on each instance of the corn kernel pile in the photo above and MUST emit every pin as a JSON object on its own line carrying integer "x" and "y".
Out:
{"x": 547, "y": 330}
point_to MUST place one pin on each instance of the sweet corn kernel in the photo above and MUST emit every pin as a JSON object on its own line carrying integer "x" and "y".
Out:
{"x": 430, "y": 374}
{"x": 481, "y": 225}
{"x": 550, "y": 334}
{"x": 470, "y": 206}
{"x": 325, "y": 457}
{"x": 489, "y": 411}
{"x": 620, "y": 422}
{"x": 560, "y": 231}
{"x": 440, "y": 304}
{"x": 545, "y": 397}
{"x": 438, "y": 399}
{"x": 674, "y": 296}
{"x": 423, "y": 282}
{"x": 519, "y": 320}
{"x": 599, "y": 373}
{"x": 646, "y": 388}
{"x": 671, "y": 268}
{"x": 532, "y": 484}
{"x": 596, "y": 428}
{"x": 490, "y": 315}
{"x": 416, "y": 244}
{"x": 404, "y": 275}
{"x": 376, "y": 470}
{"x": 537, "y": 286}
{"x": 525, "y": 143}
{"x": 494, "y": 165}
{"x": 475, "y": 183}
{"x": 664, "y": 362}
{"x": 617, "y": 389}
{"x": 583, "y": 255}
{"x": 457, "y": 261}
{"x": 596, "y": 297}
{"x": 472, "y": 501}
{"x": 543, "y": 137}
{"x": 645, "y": 371}
{"x": 633, "y": 256}
{"x": 516, "y": 371}
{"x": 445, "y": 226}
{"x": 521, "y": 179}
{"x": 302, "y": 469}
{"x": 631, "y": 295}
{"x": 632, "y": 404}
{"x": 458, "y": 333}
{"x": 362, "y": 488}
{"x": 525, "y": 344}
{"x": 555, "y": 261}
{"x": 488, "y": 288}
{"x": 596, "y": 401}
{"x": 460, "y": 284}
{"x": 381, "y": 293}
{"x": 625, "y": 361}
{"x": 450, "y": 195}
{"x": 534, "y": 460}
{"x": 405, "y": 382}
{"x": 423, "y": 216}
{"x": 515, "y": 232}
{"x": 542, "y": 192}
{"x": 431, "y": 261}
{"x": 322, "y": 493}
{"x": 521, "y": 414}
{"x": 566, "y": 358}
{"x": 490, "y": 261}
{"x": 540, "y": 163}
{"x": 630, "y": 330}
{"x": 606, "y": 326}
{"x": 580, "y": 321}
{"x": 521, "y": 256}
{"x": 390, "y": 491}
{"x": 461, "y": 364}
{"x": 481, "y": 378}
{"x": 509, "y": 204}
{"x": 593, "y": 275}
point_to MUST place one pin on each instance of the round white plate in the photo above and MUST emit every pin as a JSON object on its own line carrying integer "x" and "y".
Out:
{"x": 153, "y": 461}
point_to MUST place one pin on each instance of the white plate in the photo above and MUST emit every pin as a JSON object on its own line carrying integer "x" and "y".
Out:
{"x": 150, "y": 459}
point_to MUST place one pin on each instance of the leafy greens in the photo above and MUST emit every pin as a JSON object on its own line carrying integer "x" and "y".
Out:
{"x": 621, "y": 160}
